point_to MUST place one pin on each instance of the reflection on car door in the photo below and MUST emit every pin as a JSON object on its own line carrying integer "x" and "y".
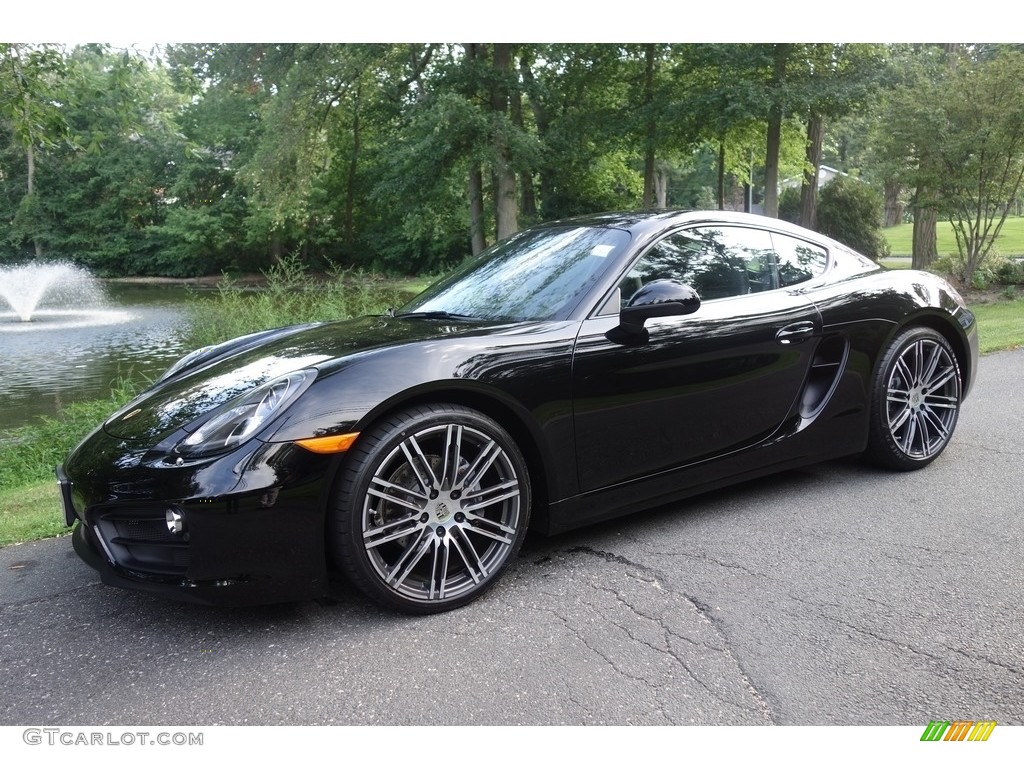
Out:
{"x": 693, "y": 387}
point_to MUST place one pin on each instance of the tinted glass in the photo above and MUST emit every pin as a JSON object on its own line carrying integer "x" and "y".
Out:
{"x": 539, "y": 274}
{"x": 798, "y": 259}
{"x": 717, "y": 262}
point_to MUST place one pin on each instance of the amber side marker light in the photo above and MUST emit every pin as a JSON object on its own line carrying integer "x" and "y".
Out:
{"x": 332, "y": 444}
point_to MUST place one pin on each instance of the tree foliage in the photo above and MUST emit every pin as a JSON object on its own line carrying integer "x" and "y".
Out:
{"x": 952, "y": 131}
{"x": 980, "y": 157}
{"x": 850, "y": 211}
{"x": 407, "y": 157}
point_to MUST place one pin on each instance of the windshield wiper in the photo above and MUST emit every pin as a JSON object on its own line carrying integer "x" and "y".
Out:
{"x": 437, "y": 315}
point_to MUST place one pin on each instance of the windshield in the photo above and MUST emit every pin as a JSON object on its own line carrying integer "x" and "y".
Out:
{"x": 537, "y": 274}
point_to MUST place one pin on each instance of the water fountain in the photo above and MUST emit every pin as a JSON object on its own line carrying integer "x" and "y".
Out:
{"x": 50, "y": 295}
{"x": 67, "y": 337}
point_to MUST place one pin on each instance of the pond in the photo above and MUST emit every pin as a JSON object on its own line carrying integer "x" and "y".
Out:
{"x": 62, "y": 357}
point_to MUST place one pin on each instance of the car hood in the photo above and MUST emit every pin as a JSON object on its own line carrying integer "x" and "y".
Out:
{"x": 183, "y": 399}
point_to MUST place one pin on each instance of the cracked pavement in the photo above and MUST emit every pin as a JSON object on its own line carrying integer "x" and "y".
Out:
{"x": 837, "y": 594}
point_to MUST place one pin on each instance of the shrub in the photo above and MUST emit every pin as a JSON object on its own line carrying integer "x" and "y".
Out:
{"x": 291, "y": 296}
{"x": 789, "y": 205}
{"x": 1010, "y": 272}
{"x": 995, "y": 270}
{"x": 850, "y": 211}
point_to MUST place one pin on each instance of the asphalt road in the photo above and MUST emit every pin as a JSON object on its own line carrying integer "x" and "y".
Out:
{"x": 837, "y": 595}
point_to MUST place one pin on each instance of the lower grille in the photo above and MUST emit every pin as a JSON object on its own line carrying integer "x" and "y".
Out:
{"x": 145, "y": 530}
{"x": 141, "y": 541}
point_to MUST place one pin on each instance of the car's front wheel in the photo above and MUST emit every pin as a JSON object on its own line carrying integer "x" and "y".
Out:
{"x": 431, "y": 505}
{"x": 915, "y": 402}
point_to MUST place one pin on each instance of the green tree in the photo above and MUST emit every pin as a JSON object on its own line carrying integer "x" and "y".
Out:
{"x": 838, "y": 79}
{"x": 851, "y": 212}
{"x": 741, "y": 99}
{"x": 106, "y": 192}
{"x": 953, "y": 131}
{"x": 910, "y": 117}
{"x": 32, "y": 79}
{"x": 587, "y": 119}
{"x": 980, "y": 152}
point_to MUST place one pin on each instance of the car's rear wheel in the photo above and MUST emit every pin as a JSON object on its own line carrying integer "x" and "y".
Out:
{"x": 431, "y": 505}
{"x": 915, "y": 402}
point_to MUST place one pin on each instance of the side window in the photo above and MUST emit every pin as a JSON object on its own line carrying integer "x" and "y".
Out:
{"x": 798, "y": 259}
{"x": 717, "y": 262}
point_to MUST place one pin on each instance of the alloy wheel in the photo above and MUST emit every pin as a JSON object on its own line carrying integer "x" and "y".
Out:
{"x": 923, "y": 398}
{"x": 441, "y": 513}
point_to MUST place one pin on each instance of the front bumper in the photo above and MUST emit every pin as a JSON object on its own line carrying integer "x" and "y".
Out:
{"x": 262, "y": 543}
{"x": 236, "y": 592}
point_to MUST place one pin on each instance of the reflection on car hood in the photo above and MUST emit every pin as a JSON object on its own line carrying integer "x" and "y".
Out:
{"x": 186, "y": 397}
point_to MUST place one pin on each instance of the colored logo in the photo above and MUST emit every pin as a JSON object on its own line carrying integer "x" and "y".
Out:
{"x": 958, "y": 730}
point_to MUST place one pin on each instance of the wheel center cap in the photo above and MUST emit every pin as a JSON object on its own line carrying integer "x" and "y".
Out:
{"x": 441, "y": 512}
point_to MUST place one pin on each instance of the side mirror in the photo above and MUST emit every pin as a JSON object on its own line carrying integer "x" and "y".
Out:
{"x": 658, "y": 298}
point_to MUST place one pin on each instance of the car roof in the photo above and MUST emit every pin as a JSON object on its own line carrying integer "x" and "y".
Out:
{"x": 644, "y": 222}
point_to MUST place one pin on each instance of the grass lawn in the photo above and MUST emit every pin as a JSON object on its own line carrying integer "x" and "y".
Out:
{"x": 1010, "y": 241}
{"x": 1000, "y": 324}
{"x": 30, "y": 512}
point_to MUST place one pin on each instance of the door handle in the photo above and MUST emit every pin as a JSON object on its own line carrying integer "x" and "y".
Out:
{"x": 795, "y": 333}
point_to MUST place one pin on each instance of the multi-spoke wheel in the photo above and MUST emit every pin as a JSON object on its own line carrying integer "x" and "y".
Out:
{"x": 916, "y": 400}
{"x": 432, "y": 503}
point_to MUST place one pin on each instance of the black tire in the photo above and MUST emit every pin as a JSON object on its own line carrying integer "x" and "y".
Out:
{"x": 915, "y": 401}
{"x": 431, "y": 505}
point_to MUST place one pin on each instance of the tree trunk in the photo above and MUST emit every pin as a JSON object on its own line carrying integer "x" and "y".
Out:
{"x": 350, "y": 181}
{"x": 775, "y": 114}
{"x": 771, "y": 166}
{"x": 721, "y": 175}
{"x": 661, "y": 187}
{"x": 476, "y": 210}
{"x": 925, "y": 250}
{"x": 540, "y": 119}
{"x": 893, "y": 207}
{"x": 30, "y": 157}
{"x": 809, "y": 190}
{"x": 505, "y": 204}
{"x": 651, "y": 128}
{"x": 529, "y": 204}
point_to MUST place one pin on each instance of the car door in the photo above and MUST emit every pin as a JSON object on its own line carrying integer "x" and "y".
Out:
{"x": 691, "y": 388}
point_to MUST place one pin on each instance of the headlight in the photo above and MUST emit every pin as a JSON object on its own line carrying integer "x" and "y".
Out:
{"x": 237, "y": 420}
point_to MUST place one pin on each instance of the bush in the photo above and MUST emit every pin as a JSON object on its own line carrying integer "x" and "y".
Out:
{"x": 291, "y": 296}
{"x": 996, "y": 269}
{"x": 789, "y": 205}
{"x": 1010, "y": 272}
{"x": 850, "y": 211}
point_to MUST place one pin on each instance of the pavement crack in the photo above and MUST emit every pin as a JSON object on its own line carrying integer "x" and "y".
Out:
{"x": 46, "y": 598}
{"x": 879, "y": 638}
{"x": 704, "y": 612}
{"x": 985, "y": 659}
{"x": 706, "y": 558}
{"x": 610, "y": 557}
{"x": 597, "y": 651}
{"x": 667, "y": 635}
{"x": 989, "y": 449}
{"x": 908, "y": 545}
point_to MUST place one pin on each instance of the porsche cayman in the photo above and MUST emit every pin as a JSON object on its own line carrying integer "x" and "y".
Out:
{"x": 578, "y": 371}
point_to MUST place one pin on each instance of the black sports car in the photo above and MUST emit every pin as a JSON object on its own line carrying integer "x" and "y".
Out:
{"x": 577, "y": 371}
